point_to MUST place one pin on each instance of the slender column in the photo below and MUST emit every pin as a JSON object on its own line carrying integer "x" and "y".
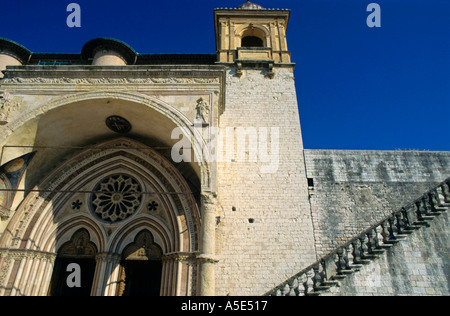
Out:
{"x": 42, "y": 282}
{"x": 22, "y": 272}
{"x": 165, "y": 276}
{"x": 106, "y": 274}
{"x": 169, "y": 286}
{"x": 207, "y": 257}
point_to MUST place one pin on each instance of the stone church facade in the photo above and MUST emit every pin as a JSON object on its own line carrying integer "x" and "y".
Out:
{"x": 183, "y": 175}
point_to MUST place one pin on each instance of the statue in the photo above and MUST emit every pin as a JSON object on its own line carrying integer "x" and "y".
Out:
{"x": 202, "y": 109}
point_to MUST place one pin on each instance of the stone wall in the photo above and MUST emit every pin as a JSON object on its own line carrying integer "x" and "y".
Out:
{"x": 417, "y": 265}
{"x": 264, "y": 233}
{"x": 355, "y": 189}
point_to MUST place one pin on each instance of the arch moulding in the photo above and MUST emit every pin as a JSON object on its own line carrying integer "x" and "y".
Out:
{"x": 44, "y": 221}
{"x": 179, "y": 120}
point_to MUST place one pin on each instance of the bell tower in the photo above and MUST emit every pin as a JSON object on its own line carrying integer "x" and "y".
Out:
{"x": 261, "y": 180}
{"x": 252, "y": 35}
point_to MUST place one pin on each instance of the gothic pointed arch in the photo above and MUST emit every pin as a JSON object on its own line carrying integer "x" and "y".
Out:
{"x": 136, "y": 187}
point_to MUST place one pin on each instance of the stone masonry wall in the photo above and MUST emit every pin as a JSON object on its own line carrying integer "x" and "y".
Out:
{"x": 417, "y": 265}
{"x": 264, "y": 233}
{"x": 355, "y": 189}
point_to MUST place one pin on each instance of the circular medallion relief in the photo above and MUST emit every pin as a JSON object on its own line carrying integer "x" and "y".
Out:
{"x": 116, "y": 198}
{"x": 118, "y": 124}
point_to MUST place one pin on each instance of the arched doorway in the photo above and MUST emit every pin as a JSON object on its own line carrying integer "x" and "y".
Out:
{"x": 130, "y": 201}
{"x": 71, "y": 194}
{"x": 141, "y": 267}
{"x": 79, "y": 253}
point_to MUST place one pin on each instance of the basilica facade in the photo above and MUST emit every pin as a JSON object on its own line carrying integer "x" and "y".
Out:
{"x": 182, "y": 175}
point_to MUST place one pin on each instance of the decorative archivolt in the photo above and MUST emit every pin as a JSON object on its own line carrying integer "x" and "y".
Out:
{"x": 176, "y": 116}
{"x": 42, "y": 222}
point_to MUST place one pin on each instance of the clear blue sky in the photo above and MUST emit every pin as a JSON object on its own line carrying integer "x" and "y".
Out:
{"x": 358, "y": 87}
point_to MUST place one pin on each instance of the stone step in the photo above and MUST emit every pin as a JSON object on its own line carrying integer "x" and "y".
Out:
{"x": 313, "y": 294}
{"x": 377, "y": 252}
{"x": 322, "y": 288}
{"x": 331, "y": 283}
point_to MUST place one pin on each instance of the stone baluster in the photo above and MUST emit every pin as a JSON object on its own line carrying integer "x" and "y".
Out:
{"x": 445, "y": 189}
{"x": 399, "y": 225}
{"x": 340, "y": 262}
{"x": 309, "y": 284}
{"x": 285, "y": 290}
{"x": 392, "y": 237}
{"x": 330, "y": 267}
{"x": 355, "y": 252}
{"x": 438, "y": 196}
{"x": 360, "y": 254}
{"x": 370, "y": 245}
{"x": 293, "y": 285}
{"x": 363, "y": 248}
{"x": 323, "y": 264}
{"x": 426, "y": 208}
{"x": 317, "y": 279}
{"x": 301, "y": 290}
{"x": 406, "y": 221}
{"x": 319, "y": 276}
{"x": 432, "y": 201}
{"x": 376, "y": 237}
{"x": 419, "y": 211}
{"x": 385, "y": 233}
{"x": 347, "y": 257}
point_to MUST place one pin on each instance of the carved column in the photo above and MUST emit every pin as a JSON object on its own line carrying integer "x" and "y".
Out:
{"x": 176, "y": 274}
{"x": 207, "y": 259}
{"x": 25, "y": 272}
{"x": 106, "y": 274}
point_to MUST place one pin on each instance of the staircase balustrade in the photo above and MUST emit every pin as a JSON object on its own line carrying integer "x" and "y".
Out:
{"x": 349, "y": 258}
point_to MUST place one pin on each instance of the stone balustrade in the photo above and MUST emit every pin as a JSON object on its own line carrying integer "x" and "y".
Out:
{"x": 359, "y": 251}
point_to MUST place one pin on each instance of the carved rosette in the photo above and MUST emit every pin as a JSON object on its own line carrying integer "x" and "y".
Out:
{"x": 116, "y": 198}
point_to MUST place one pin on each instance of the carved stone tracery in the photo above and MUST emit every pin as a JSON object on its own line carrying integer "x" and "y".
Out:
{"x": 116, "y": 198}
{"x": 79, "y": 246}
{"x": 143, "y": 248}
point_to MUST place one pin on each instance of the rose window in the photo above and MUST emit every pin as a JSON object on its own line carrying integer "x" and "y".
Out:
{"x": 116, "y": 198}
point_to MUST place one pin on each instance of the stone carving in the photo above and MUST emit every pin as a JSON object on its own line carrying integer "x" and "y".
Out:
{"x": 202, "y": 109}
{"x": 143, "y": 248}
{"x": 117, "y": 197}
{"x": 8, "y": 105}
{"x": 109, "y": 81}
{"x": 79, "y": 245}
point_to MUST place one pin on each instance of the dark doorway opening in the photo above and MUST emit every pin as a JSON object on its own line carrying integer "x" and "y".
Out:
{"x": 142, "y": 278}
{"x": 252, "y": 41}
{"x": 80, "y": 251}
{"x": 60, "y": 286}
{"x": 141, "y": 267}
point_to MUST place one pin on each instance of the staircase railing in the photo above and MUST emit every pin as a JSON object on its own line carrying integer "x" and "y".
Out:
{"x": 360, "y": 250}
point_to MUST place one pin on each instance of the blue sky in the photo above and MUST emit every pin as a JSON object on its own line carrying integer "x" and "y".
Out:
{"x": 358, "y": 87}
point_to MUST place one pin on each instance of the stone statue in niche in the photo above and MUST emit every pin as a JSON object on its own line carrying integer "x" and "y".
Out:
{"x": 202, "y": 109}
